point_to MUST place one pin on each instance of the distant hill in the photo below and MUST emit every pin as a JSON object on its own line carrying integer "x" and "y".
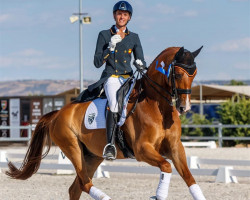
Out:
{"x": 52, "y": 87}
{"x": 37, "y": 87}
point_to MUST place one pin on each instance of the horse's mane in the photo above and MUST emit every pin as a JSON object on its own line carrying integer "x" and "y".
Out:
{"x": 161, "y": 54}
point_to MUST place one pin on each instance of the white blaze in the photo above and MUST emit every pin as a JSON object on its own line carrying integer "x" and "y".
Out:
{"x": 188, "y": 106}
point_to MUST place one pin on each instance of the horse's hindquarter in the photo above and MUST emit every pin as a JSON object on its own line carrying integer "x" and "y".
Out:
{"x": 68, "y": 121}
{"x": 69, "y": 124}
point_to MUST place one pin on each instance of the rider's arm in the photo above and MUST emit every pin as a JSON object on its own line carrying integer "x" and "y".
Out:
{"x": 137, "y": 51}
{"x": 102, "y": 52}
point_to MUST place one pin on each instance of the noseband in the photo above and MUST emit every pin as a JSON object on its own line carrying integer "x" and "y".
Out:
{"x": 189, "y": 69}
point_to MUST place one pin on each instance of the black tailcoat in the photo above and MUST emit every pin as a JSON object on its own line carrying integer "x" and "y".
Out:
{"x": 116, "y": 63}
{"x": 119, "y": 61}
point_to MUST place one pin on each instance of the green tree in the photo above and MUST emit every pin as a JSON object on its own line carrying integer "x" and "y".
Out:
{"x": 237, "y": 112}
{"x": 197, "y": 119}
{"x": 234, "y": 82}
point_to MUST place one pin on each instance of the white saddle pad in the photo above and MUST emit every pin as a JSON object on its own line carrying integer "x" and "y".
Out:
{"x": 95, "y": 113}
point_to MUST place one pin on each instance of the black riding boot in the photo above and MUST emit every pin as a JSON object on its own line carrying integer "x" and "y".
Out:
{"x": 109, "y": 152}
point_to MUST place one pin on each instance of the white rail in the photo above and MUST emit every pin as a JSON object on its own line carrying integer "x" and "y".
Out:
{"x": 30, "y": 128}
{"x": 220, "y": 137}
{"x": 223, "y": 172}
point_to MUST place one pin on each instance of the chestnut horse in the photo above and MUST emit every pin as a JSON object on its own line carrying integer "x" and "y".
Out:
{"x": 152, "y": 131}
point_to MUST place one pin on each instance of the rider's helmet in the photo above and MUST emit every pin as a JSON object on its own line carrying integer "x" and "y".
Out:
{"x": 123, "y": 5}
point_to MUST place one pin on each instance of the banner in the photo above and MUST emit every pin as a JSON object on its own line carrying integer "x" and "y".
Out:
{"x": 47, "y": 105}
{"x": 4, "y": 117}
{"x": 58, "y": 103}
{"x": 15, "y": 117}
{"x": 36, "y": 110}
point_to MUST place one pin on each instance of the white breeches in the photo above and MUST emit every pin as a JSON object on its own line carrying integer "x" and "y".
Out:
{"x": 111, "y": 86}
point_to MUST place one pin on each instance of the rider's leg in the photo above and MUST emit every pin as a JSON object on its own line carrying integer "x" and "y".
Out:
{"x": 109, "y": 151}
{"x": 111, "y": 87}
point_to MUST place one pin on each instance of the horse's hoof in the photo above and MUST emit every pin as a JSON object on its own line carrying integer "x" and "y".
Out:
{"x": 153, "y": 197}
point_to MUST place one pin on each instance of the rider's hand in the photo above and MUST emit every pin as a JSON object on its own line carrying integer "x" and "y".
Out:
{"x": 114, "y": 40}
{"x": 139, "y": 64}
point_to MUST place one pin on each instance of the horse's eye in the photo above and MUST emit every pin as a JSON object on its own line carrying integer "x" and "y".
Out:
{"x": 178, "y": 76}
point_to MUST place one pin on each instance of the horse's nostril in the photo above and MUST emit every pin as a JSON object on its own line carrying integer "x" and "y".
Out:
{"x": 182, "y": 109}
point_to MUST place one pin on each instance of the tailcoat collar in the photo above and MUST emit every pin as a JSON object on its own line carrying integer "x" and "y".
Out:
{"x": 113, "y": 30}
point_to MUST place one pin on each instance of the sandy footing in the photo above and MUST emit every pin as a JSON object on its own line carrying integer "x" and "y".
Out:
{"x": 126, "y": 186}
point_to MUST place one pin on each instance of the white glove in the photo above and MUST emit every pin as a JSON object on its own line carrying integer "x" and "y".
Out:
{"x": 139, "y": 65}
{"x": 114, "y": 40}
{"x": 139, "y": 62}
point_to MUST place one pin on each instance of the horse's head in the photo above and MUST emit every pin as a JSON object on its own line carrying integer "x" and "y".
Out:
{"x": 175, "y": 70}
{"x": 183, "y": 72}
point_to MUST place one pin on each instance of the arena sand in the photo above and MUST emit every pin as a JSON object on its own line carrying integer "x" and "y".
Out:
{"x": 126, "y": 186}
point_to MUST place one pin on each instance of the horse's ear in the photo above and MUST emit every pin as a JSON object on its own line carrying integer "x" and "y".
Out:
{"x": 195, "y": 53}
{"x": 179, "y": 54}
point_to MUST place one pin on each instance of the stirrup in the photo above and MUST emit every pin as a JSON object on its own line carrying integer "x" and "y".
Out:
{"x": 109, "y": 155}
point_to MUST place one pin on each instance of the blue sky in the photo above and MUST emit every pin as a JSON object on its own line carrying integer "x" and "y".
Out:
{"x": 37, "y": 40}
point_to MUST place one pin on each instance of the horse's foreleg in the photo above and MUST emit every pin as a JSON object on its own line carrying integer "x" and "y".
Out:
{"x": 151, "y": 156}
{"x": 180, "y": 163}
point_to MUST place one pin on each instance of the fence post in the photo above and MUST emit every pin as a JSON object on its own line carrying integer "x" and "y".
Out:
{"x": 3, "y": 158}
{"x": 223, "y": 175}
{"x": 30, "y": 131}
{"x": 220, "y": 135}
{"x": 193, "y": 162}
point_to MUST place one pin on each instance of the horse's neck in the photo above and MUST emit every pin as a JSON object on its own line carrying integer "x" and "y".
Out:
{"x": 145, "y": 90}
{"x": 157, "y": 88}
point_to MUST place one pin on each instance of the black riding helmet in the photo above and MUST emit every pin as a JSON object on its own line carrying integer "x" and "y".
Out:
{"x": 123, "y": 5}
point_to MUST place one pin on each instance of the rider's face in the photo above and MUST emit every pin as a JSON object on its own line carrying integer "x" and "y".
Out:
{"x": 121, "y": 18}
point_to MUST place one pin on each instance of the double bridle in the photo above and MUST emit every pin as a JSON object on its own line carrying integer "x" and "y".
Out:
{"x": 174, "y": 91}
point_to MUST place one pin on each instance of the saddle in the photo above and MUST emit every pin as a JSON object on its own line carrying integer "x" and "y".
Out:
{"x": 95, "y": 116}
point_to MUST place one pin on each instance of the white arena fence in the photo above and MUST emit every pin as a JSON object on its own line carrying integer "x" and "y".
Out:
{"x": 218, "y": 138}
{"x": 59, "y": 164}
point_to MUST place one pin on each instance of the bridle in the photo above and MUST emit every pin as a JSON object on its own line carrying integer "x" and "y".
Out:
{"x": 187, "y": 69}
{"x": 171, "y": 74}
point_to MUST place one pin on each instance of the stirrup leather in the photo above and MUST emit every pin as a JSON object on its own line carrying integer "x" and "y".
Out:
{"x": 104, "y": 152}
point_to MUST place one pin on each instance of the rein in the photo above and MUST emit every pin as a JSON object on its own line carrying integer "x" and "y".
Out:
{"x": 139, "y": 93}
{"x": 163, "y": 89}
{"x": 175, "y": 91}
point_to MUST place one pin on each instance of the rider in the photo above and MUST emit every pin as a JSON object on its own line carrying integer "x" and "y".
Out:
{"x": 114, "y": 47}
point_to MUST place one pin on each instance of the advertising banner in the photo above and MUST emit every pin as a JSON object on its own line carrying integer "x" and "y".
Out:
{"x": 58, "y": 103}
{"x": 36, "y": 110}
{"x": 15, "y": 117}
{"x": 47, "y": 105}
{"x": 4, "y": 117}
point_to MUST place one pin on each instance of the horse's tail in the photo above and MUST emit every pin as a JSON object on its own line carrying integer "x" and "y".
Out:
{"x": 34, "y": 155}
